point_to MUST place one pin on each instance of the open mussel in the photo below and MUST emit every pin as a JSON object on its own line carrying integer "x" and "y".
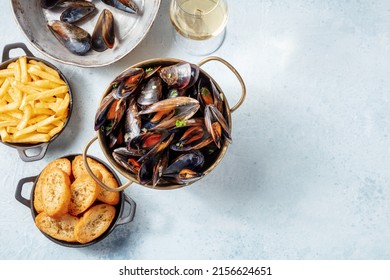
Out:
{"x": 183, "y": 169}
{"x": 74, "y": 38}
{"x": 103, "y": 35}
{"x": 128, "y": 6}
{"x": 127, "y": 82}
{"x": 184, "y": 108}
{"x": 151, "y": 92}
{"x": 77, "y": 10}
{"x": 216, "y": 125}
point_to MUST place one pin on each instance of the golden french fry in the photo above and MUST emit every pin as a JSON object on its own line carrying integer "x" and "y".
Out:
{"x": 42, "y": 111}
{"x": 34, "y": 77}
{"x": 47, "y": 93}
{"x": 45, "y": 68}
{"x": 9, "y": 107}
{"x": 4, "y": 134}
{"x": 45, "y": 75}
{"x": 4, "y": 87}
{"x": 25, "y": 88}
{"x": 30, "y": 138}
{"x": 55, "y": 130}
{"x": 34, "y": 127}
{"x": 11, "y": 129}
{"x": 2, "y": 81}
{"x": 8, "y": 123}
{"x": 46, "y": 129}
{"x": 27, "y": 113}
{"x": 24, "y": 76}
{"x": 63, "y": 106}
{"x": 37, "y": 119}
{"x": 44, "y": 84}
{"x": 17, "y": 73}
{"x": 11, "y": 65}
{"x": 4, "y": 73}
{"x": 59, "y": 123}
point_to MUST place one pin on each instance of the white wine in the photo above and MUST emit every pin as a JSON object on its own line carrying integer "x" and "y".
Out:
{"x": 199, "y": 19}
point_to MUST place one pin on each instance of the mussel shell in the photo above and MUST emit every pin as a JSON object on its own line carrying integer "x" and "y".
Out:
{"x": 151, "y": 92}
{"x": 49, "y": 4}
{"x": 125, "y": 5}
{"x": 180, "y": 75}
{"x": 74, "y": 38}
{"x": 103, "y": 36}
{"x": 191, "y": 160}
{"x": 75, "y": 14}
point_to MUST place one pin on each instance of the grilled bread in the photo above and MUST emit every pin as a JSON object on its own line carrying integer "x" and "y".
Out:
{"x": 94, "y": 222}
{"x": 61, "y": 228}
{"x": 108, "y": 178}
{"x": 84, "y": 191}
{"x": 62, "y": 163}
{"x": 55, "y": 192}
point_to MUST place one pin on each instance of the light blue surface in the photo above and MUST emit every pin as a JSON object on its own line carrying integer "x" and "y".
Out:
{"x": 308, "y": 173}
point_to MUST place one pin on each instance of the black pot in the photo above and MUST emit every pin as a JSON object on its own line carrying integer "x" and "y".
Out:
{"x": 120, "y": 216}
{"x": 40, "y": 147}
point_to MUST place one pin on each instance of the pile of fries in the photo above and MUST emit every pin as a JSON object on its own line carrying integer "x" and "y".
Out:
{"x": 34, "y": 102}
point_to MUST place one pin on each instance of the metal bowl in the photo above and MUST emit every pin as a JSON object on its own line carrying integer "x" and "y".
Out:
{"x": 130, "y": 31}
{"x": 104, "y": 145}
{"x": 39, "y": 148}
{"x": 121, "y": 216}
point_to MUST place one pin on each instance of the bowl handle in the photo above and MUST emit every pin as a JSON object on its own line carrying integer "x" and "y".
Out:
{"x": 42, "y": 151}
{"x": 88, "y": 168}
{"x": 235, "y": 72}
{"x": 18, "y": 192}
{"x": 130, "y": 216}
{"x": 10, "y": 47}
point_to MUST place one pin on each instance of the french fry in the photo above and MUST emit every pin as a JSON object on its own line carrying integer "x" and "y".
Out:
{"x": 47, "y": 93}
{"x": 34, "y": 127}
{"x": 24, "y": 76}
{"x": 27, "y": 113}
{"x": 5, "y": 73}
{"x": 42, "y": 111}
{"x": 55, "y": 130}
{"x": 44, "y": 84}
{"x": 17, "y": 73}
{"x": 45, "y": 67}
{"x": 4, "y": 134}
{"x": 45, "y": 75}
{"x": 31, "y": 138}
{"x": 4, "y": 87}
{"x": 63, "y": 106}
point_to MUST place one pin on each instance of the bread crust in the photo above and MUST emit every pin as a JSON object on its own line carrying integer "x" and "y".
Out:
{"x": 61, "y": 228}
{"x": 94, "y": 222}
{"x": 55, "y": 192}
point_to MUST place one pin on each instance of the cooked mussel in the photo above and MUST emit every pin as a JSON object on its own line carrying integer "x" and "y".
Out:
{"x": 74, "y": 38}
{"x": 103, "y": 35}
{"x": 128, "y": 6}
{"x": 77, "y": 11}
{"x": 180, "y": 75}
{"x": 216, "y": 125}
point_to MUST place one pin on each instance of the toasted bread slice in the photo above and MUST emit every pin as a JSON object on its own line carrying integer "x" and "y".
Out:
{"x": 94, "y": 222}
{"x": 62, "y": 163}
{"x": 55, "y": 192}
{"x": 84, "y": 191}
{"x": 61, "y": 228}
{"x": 106, "y": 196}
{"x": 108, "y": 178}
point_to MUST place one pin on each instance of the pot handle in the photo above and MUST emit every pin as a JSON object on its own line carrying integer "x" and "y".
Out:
{"x": 88, "y": 168}
{"x": 130, "y": 216}
{"x": 228, "y": 65}
{"x": 13, "y": 46}
{"x": 19, "y": 188}
{"x": 42, "y": 151}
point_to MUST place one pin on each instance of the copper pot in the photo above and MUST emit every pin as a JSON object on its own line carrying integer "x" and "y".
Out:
{"x": 166, "y": 186}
